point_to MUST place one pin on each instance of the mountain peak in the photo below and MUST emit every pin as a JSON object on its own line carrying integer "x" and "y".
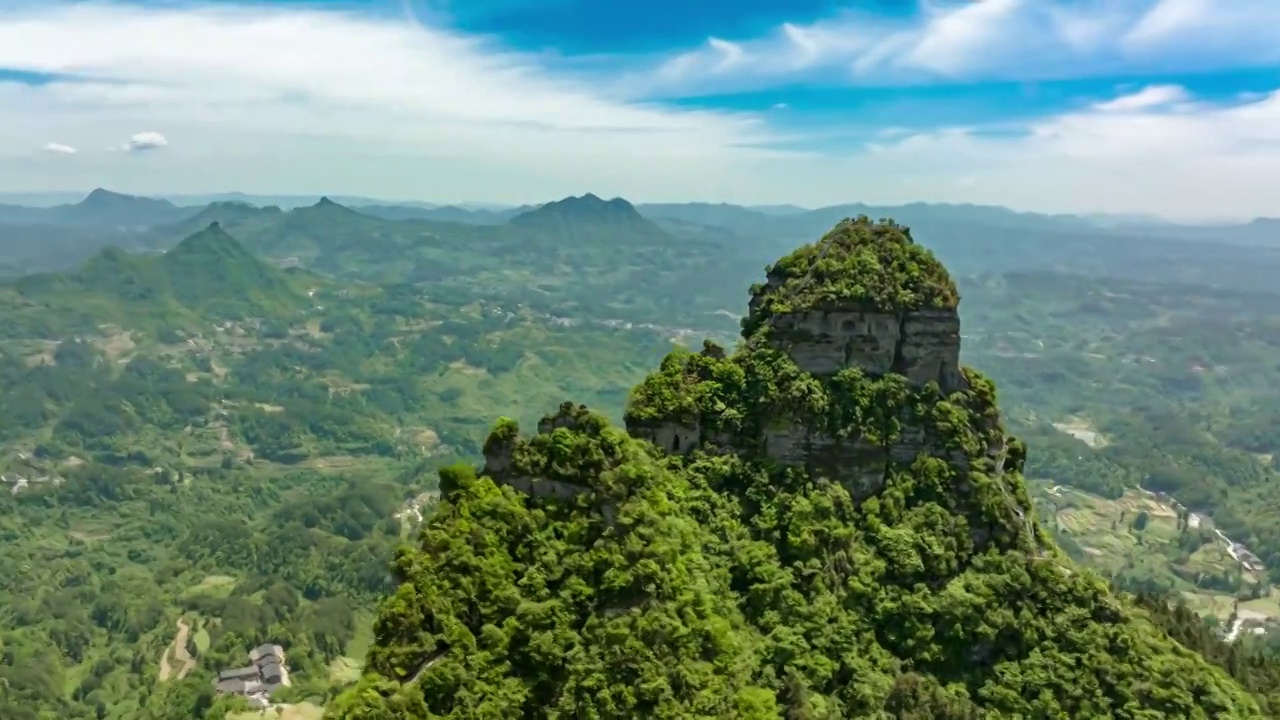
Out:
{"x": 859, "y": 266}
{"x": 210, "y": 244}
{"x": 211, "y": 264}
{"x": 590, "y": 203}
{"x": 99, "y": 195}
{"x": 100, "y": 198}
{"x": 572, "y": 215}
{"x": 326, "y": 208}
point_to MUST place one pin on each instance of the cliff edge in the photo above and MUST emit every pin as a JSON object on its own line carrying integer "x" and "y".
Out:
{"x": 829, "y": 522}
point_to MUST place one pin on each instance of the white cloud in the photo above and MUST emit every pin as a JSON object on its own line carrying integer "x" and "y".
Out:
{"x": 1167, "y": 18}
{"x": 247, "y": 85}
{"x": 1209, "y": 34}
{"x": 1149, "y": 151}
{"x": 953, "y": 41}
{"x": 987, "y": 39}
{"x": 59, "y": 149}
{"x": 144, "y": 141}
{"x": 1153, "y": 96}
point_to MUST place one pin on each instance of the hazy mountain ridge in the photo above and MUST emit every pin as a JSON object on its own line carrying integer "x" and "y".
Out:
{"x": 100, "y": 208}
{"x": 15, "y": 209}
{"x": 207, "y": 276}
{"x": 606, "y": 244}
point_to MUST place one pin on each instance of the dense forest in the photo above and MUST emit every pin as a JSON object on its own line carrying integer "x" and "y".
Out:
{"x": 233, "y": 435}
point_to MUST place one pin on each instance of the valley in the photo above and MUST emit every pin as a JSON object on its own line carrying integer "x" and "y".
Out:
{"x": 248, "y": 444}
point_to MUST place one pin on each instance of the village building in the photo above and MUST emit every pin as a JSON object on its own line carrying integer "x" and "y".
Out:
{"x": 257, "y": 681}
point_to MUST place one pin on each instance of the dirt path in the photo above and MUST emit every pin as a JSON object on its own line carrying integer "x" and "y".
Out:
{"x": 178, "y": 649}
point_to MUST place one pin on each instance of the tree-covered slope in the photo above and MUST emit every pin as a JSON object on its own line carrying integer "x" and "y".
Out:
{"x": 829, "y": 523}
{"x": 207, "y": 276}
{"x": 194, "y": 440}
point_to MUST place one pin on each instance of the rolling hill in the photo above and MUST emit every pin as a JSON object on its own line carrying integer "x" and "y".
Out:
{"x": 207, "y": 276}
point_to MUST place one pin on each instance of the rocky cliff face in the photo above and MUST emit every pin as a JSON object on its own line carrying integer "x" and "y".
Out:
{"x": 922, "y": 345}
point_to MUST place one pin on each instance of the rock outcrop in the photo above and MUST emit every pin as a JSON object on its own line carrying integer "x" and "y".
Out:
{"x": 921, "y": 345}
{"x": 504, "y": 462}
{"x": 882, "y": 321}
{"x": 865, "y": 300}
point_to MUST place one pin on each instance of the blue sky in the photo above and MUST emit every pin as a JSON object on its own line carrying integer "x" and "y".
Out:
{"x": 1154, "y": 106}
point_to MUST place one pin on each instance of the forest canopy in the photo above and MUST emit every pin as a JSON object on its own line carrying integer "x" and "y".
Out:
{"x": 587, "y": 573}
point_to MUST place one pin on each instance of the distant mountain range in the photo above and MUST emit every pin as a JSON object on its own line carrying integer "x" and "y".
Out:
{"x": 581, "y": 256}
{"x": 101, "y": 204}
{"x": 102, "y": 208}
{"x": 335, "y": 236}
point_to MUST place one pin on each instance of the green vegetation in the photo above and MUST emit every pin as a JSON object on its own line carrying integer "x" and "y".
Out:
{"x": 240, "y": 449}
{"x": 1119, "y": 384}
{"x": 579, "y": 258}
{"x": 1145, "y": 543}
{"x": 237, "y": 463}
{"x": 737, "y": 581}
{"x": 874, "y": 266}
{"x": 209, "y": 274}
{"x": 100, "y": 575}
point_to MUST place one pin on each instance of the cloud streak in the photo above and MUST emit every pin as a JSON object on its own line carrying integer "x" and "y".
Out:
{"x": 54, "y": 148}
{"x": 1003, "y": 40}
{"x": 1153, "y": 96}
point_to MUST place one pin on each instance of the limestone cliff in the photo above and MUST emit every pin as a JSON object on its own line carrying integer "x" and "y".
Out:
{"x": 864, "y": 296}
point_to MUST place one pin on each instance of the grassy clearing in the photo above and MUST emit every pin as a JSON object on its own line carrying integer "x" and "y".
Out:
{"x": 214, "y": 585}
{"x": 1083, "y": 430}
{"x": 1268, "y": 606}
{"x": 346, "y": 669}
{"x": 202, "y": 641}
